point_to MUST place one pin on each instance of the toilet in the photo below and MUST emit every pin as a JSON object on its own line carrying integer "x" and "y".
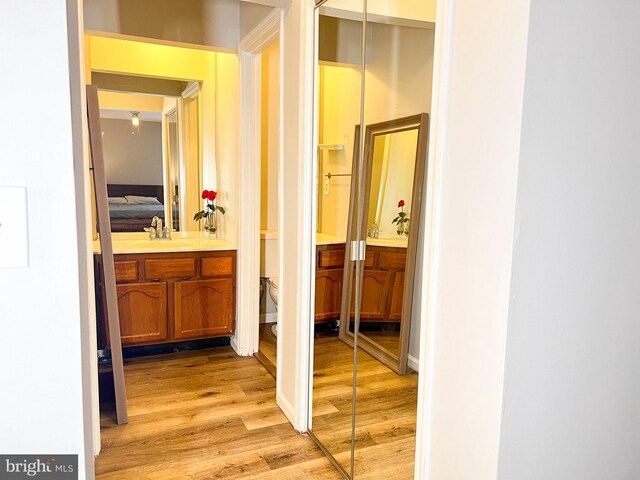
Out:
{"x": 273, "y": 293}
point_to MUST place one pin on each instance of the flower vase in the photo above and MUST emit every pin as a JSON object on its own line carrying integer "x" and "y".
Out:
{"x": 406, "y": 229}
{"x": 400, "y": 228}
{"x": 211, "y": 223}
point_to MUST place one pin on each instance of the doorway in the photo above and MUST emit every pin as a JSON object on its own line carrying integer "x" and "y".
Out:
{"x": 269, "y": 206}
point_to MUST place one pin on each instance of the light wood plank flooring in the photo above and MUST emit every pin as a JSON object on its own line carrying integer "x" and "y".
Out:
{"x": 385, "y": 411}
{"x": 206, "y": 414}
{"x": 268, "y": 347}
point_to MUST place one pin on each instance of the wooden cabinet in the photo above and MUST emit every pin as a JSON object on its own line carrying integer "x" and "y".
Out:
{"x": 203, "y": 308}
{"x": 375, "y": 295}
{"x": 142, "y": 308}
{"x": 397, "y": 297}
{"x": 169, "y": 297}
{"x": 329, "y": 268}
{"x": 382, "y": 283}
{"x": 328, "y": 294}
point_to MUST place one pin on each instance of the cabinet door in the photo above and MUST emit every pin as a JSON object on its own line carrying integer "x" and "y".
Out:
{"x": 397, "y": 294}
{"x": 143, "y": 312}
{"x": 204, "y": 308}
{"x": 375, "y": 295}
{"x": 328, "y": 294}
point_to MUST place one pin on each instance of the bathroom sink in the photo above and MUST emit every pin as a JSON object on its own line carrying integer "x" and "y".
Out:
{"x": 152, "y": 245}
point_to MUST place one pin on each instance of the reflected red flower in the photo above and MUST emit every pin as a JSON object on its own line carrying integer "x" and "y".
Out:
{"x": 205, "y": 194}
{"x": 212, "y": 195}
{"x": 401, "y": 203}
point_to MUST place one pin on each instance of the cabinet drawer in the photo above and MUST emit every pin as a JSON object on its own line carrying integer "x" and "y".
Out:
{"x": 126, "y": 271}
{"x": 330, "y": 258}
{"x": 393, "y": 260}
{"x": 216, "y": 267}
{"x": 162, "y": 269}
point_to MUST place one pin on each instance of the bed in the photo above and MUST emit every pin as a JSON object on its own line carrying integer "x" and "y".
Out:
{"x": 134, "y": 217}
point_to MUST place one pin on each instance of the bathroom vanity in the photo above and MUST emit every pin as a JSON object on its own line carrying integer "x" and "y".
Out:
{"x": 383, "y": 279}
{"x": 169, "y": 291}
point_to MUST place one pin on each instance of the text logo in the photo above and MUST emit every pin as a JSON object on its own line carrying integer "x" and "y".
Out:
{"x": 49, "y": 467}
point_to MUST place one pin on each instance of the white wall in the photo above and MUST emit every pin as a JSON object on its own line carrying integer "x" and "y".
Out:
{"x": 270, "y": 137}
{"x": 572, "y": 387}
{"x": 294, "y": 310}
{"x": 40, "y": 356}
{"x": 132, "y": 159}
{"x": 474, "y": 161}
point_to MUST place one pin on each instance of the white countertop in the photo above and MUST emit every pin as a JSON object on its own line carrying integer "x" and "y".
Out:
{"x": 326, "y": 239}
{"x": 180, "y": 242}
{"x": 398, "y": 242}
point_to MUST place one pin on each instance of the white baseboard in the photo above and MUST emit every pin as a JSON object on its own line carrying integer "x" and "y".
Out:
{"x": 286, "y": 408}
{"x": 234, "y": 344}
{"x": 269, "y": 317}
{"x": 414, "y": 363}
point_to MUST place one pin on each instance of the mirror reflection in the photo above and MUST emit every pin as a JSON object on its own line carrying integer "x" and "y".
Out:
{"x": 392, "y": 167}
{"x": 369, "y": 187}
{"x": 152, "y": 153}
{"x": 339, "y": 86}
{"x": 390, "y": 221}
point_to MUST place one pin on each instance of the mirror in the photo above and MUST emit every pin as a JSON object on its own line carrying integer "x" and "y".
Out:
{"x": 152, "y": 151}
{"x": 339, "y": 83}
{"x": 395, "y": 155}
{"x": 173, "y": 166}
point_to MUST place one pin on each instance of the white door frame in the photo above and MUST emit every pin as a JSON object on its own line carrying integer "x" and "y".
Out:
{"x": 245, "y": 341}
{"x": 442, "y": 57}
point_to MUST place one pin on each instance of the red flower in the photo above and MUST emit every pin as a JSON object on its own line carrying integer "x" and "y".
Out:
{"x": 401, "y": 203}
{"x": 205, "y": 194}
{"x": 212, "y": 195}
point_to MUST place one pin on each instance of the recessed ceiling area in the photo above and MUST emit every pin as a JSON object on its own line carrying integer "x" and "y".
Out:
{"x": 126, "y": 115}
{"x": 131, "y": 83}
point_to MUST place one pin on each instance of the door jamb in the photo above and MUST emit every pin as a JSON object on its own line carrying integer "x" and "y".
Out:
{"x": 443, "y": 55}
{"x": 245, "y": 341}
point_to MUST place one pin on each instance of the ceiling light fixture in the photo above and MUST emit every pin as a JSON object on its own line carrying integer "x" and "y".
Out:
{"x": 135, "y": 122}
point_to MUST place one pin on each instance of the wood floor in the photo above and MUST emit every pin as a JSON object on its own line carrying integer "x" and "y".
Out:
{"x": 267, "y": 347}
{"x": 205, "y": 415}
{"x": 385, "y": 412}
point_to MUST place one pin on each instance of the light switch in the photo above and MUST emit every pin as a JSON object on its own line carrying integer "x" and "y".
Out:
{"x": 14, "y": 230}
{"x": 326, "y": 186}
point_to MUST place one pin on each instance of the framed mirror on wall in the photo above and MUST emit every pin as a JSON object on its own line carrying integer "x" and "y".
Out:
{"x": 394, "y": 164}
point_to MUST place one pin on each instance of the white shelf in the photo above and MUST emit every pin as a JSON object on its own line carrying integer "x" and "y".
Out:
{"x": 331, "y": 146}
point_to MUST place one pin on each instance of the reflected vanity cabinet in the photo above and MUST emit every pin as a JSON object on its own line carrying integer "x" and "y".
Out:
{"x": 170, "y": 297}
{"x": 382, "y": 284}
{"x": 329, "y": 268}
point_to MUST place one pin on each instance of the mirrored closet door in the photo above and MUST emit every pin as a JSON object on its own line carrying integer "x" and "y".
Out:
{"x": 373, "y": 84}
{"x": 338, "y": 108}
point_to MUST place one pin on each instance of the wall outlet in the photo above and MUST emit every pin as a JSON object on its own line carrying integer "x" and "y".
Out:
{"x": 14, "y": 230}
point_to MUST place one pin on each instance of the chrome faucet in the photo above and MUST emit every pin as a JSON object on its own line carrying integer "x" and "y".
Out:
{"x": 156, "y": 232}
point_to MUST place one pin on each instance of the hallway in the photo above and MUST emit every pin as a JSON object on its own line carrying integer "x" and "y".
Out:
{"x": 204, "y": 414}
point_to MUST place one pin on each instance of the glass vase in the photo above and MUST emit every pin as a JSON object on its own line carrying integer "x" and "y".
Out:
{"x": 400, "y": 228}
{"x": 211, "y": 223}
